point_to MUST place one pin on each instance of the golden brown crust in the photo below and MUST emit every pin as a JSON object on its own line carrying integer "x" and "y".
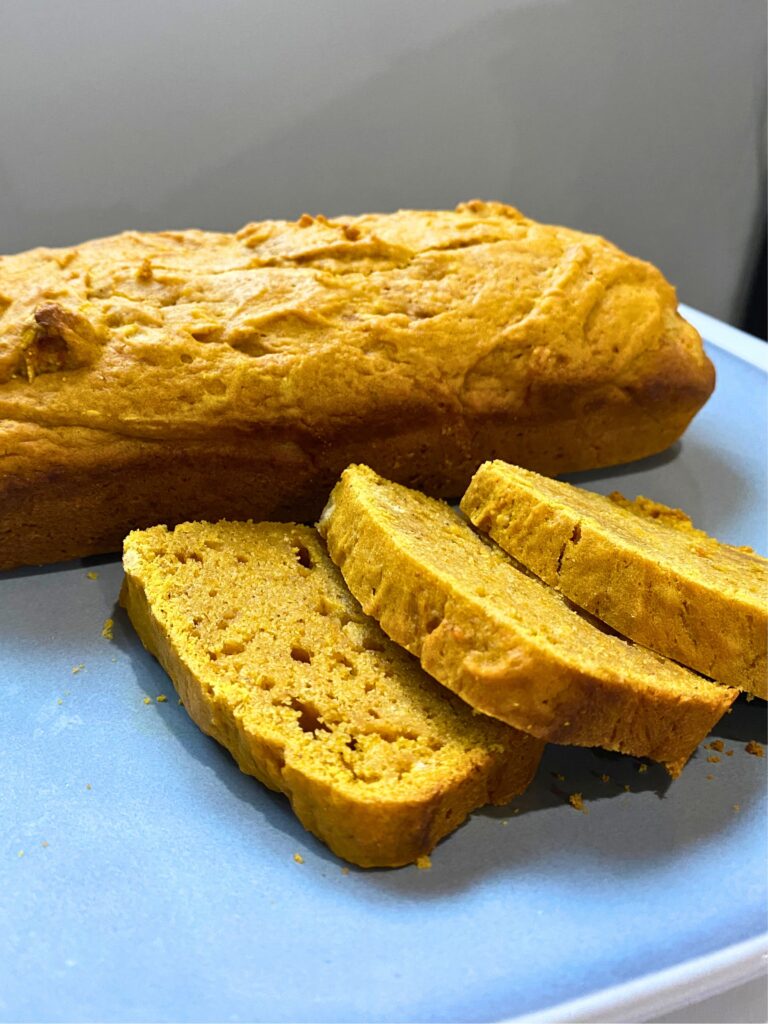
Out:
{"x": 505, "y": 642}
{"x": 308, "y": 695}
{"x": 420, "y": 342}
{"x": 639, "y": 566}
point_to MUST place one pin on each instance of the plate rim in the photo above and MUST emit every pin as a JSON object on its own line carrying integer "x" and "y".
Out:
{"x": 662, "y": 991}
{"x": 717, "y": 332}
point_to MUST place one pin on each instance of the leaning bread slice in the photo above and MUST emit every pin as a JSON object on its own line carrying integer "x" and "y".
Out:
{"x": 504, "y": 641}
{"x": 273, "y": 657}
{"x": 639, "y": 566}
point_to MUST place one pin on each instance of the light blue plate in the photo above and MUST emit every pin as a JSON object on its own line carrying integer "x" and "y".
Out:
{"x": 143, "y": 878}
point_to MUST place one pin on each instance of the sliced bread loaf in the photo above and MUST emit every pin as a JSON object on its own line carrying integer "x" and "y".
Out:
{"x": 273, "y": 657}
{"x": 639, "y": 566}
{"x": 504, "y": 641}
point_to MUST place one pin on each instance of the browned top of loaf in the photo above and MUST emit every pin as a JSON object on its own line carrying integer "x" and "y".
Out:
{"x": 260, "y": 617}
{"x": 192, "y": 334}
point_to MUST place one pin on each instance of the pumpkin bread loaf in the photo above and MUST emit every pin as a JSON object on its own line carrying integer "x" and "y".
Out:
{"x": 188, "y": 375}
{"x": 508, "y": 644}
{"x": 639, "y": 566}
{"x": 273, "y": 657}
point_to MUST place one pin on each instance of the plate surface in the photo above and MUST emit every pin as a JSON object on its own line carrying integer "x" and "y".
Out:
{"x": 143, "y": 878}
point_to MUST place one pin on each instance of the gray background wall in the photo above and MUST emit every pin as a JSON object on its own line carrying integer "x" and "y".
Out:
{"x": 638, "y": 119}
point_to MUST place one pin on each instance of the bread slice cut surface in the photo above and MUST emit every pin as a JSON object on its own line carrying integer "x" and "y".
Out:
{"x": 511, "y": 646}
{"x": 638, "y": 565}
{"x": 273, "y": 657}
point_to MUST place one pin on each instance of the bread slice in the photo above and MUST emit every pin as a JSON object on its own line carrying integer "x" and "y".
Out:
{"x": 504, "y": 641}
{"x": 639, "y": 566}
{"x": 273, "y": 657}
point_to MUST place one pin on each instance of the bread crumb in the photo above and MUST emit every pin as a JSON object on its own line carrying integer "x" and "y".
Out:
{"x": 642, "y": 768}
{"x": 88, "y": 785}
{"x": 60, "y": 700}
{"x": 107, "y": 628}
{"x": 716, "y": 745}
{"x": 713, "y": 758}
{"x": 755, "y": 748}
{"x": 21, "y": 853}
{"x": 626, "y": 788}
{"x": 147, "y": 700}
{"x": 298, "y": 858}
{"x": 78, "y": 668}
{"x": 558, "y": 776}
{"x": 423, "y": 863}
{"x": 729, "y": 753}
{"x": 345, "y": 871}
{"x": 161, "y": 698}
{"x": 736, "y": 808}
{"x": 605, "y": 778}
{"x": 505, "y": 821}
{"x": 710, "y": 776}
{"x": 576, "y": 800}
{"x": 45, "y": 843}
{"x": 92, "y": 575}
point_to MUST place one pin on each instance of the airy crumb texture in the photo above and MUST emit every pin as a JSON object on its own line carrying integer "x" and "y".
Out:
{"x": 274, "y": 658}
{"x": 183, "y": 375}
{"x": 639, "y": 566}
{"x": 510, "y": 645}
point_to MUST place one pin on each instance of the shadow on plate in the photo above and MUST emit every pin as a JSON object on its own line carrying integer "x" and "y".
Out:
{"x": 90, "y": 562}
{"x": 597, "y": 776}
{"x": 587, "y": 476}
